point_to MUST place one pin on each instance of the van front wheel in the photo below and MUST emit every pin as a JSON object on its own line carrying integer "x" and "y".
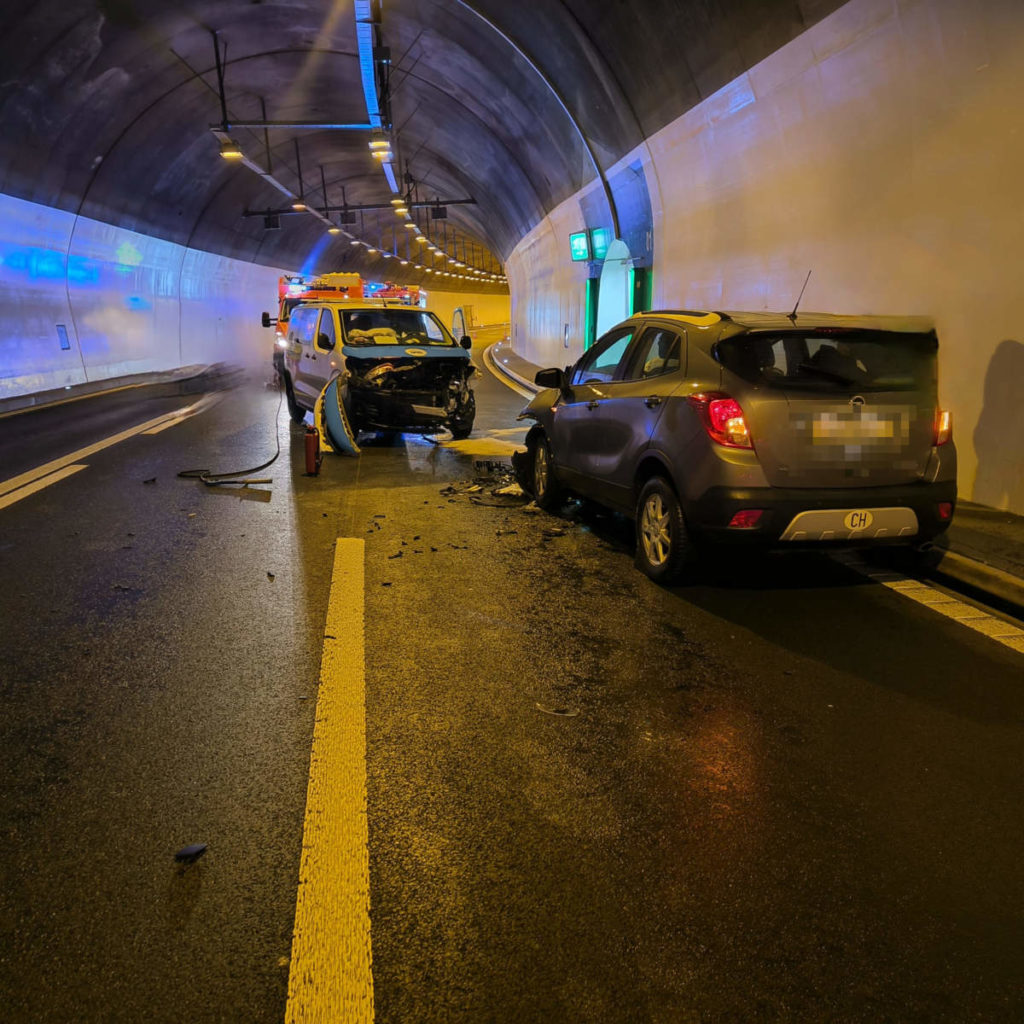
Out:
{"x": 297, "y": 413}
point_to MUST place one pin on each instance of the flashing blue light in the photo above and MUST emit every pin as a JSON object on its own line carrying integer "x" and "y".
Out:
{"x": 309, "y": 265}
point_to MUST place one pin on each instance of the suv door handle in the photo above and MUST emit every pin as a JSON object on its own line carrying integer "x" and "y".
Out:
{"x": 651, "y": 401}
{"x": 593, "y": 405}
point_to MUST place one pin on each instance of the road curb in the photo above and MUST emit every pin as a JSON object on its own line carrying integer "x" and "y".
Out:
{"x": 981, "y": 576}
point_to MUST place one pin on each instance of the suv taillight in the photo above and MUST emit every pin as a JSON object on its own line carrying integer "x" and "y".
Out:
{"x": 943, "y": 426}
{"x": 722, "y": 418}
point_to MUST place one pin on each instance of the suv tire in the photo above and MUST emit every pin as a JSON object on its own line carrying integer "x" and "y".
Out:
{"x": 664, "y": 548}
{"x": 546, "y": 491}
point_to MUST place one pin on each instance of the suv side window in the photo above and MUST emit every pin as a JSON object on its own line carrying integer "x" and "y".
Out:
{"x": 598, "y": 366}
{"x": 658, "y": 351}
{"x": 326, "y": 333}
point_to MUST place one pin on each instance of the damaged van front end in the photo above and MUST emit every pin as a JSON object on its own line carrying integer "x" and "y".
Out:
{"x": 373, "y": 367}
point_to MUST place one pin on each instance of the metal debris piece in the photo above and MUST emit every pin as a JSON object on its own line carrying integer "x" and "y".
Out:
{"x": 387, "y": 584}
{"x": 504, "y": 533}
{"x": 270, "y": 575}
{"x": 398, "y": 554}
{"x": 151, "y": 480}
{"x": 511, "y": 490}
{"x": 191, "y": 853}
{"x": 560, "y": 712}
{"x": 553, "y": 531}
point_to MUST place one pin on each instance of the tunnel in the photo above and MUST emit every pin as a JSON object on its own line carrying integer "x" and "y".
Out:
{"x": 384, "y": 732}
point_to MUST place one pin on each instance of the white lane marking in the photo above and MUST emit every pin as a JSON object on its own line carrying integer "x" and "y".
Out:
{"x": 37, "y": 485}
{"x": 168, "y": 419}
{"x": 492, "y": 366}
{"x": 980, "y": 621}
{"x": 331, "y": 977}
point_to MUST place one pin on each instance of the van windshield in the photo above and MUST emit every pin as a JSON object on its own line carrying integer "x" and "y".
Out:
{"x": 394, "y": 326}
{"x": 833, "y": 359}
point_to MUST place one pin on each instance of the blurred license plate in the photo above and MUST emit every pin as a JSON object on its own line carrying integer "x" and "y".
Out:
{"x": 830, "y": 428}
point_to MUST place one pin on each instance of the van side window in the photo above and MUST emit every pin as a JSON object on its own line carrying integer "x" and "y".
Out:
{"x": 326, "y": 334}
{"x": 300, "y": 327}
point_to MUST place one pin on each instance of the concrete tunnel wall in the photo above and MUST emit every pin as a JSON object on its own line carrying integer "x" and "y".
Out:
{"x": 129, "y": 303}
{"x": 882, "y": 149}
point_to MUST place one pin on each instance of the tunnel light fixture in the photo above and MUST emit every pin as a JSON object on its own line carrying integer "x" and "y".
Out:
{"x": 421, "y": 239}
{"x": 380, "y": 146}
{"x": 334, "y": 231}
{"x": 410, "y": 226}
{"x": 298, "y": 206}
{"x": 230, "y": 150}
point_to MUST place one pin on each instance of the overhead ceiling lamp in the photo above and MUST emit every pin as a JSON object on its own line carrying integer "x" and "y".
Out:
{"x": 334, "y": 231}
{"x": 410, "y": 226}
{"x": 421, "y": 238}
{"x": 230, "y": 150}
{"x": 380, "y": 147}
{"x": 404, "y": 263}
{"x": 401, "y": 211}
{"x": 298, "y": 206}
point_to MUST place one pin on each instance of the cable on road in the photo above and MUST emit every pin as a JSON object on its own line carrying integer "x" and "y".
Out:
{"x": 222, "y": 479}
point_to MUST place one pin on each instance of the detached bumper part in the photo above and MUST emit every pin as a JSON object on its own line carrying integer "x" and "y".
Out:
{"x": 332, "y": 421}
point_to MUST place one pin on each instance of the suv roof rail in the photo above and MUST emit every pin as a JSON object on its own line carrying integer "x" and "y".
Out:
{"x": 676, "y": 312}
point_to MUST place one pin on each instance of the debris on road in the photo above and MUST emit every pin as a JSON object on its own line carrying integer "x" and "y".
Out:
{"x": 151, "y": 480}
{"x": 191, "y": 853}
{"x": 560, "y": 712}
{"x": 513, "y": 490}
{"x": 270, "y": 576}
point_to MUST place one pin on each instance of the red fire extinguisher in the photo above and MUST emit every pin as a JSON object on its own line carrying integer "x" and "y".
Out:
{"x": 313, "y": 456}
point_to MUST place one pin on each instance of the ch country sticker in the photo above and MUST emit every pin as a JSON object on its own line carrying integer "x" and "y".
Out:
{"x": 859, "y": 519}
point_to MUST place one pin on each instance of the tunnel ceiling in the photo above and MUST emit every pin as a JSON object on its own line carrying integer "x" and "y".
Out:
{"x": 106, "y": 111}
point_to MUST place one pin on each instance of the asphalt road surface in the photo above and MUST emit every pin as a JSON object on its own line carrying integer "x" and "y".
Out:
{"x": 781, "y": 793}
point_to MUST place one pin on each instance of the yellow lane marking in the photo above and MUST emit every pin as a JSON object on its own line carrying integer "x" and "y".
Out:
{"x": 980, "y": 621}
{"x": 37, "y": 485}
{"x": 330, "y": 979}
{"x": 83, "y": 453}
{"x": 482, "y": 446}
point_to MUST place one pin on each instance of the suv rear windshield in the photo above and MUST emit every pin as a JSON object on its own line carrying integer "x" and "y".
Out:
{"x": 391, "y": 326}
{"x": 839, "y": 358}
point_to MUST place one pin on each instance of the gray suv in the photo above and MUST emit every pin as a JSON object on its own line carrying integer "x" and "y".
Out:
{"x": 759, "y": 429}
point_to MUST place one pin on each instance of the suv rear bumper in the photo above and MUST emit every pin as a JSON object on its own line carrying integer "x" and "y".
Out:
{"x": 710, "y": 515}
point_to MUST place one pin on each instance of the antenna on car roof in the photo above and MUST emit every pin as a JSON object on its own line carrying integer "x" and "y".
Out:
{"x": 792, "y": 316}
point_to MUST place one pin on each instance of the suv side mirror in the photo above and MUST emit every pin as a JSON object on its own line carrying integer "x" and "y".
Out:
{"x": 553, "y": 378}
{"x": 466, "y": 341}
{"x": 266, "y": 321}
